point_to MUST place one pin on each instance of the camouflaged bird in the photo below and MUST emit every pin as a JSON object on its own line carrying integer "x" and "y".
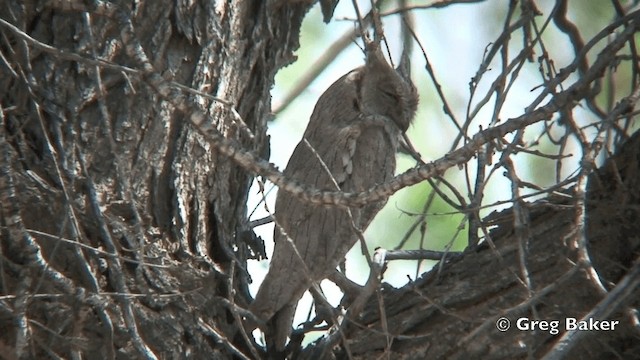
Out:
{"x": 351, "y": 141}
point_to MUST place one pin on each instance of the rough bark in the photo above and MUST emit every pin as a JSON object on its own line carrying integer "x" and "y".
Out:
{"x": 452, "y": 311}
{"x": 98, "y": 157}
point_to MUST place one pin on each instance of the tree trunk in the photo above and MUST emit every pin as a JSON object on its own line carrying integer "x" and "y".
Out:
{"x": 456, "y": 311}
{"x": 93, "y": 155}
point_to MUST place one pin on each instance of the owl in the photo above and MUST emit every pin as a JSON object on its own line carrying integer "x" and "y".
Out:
{"x": 350, "y": 144}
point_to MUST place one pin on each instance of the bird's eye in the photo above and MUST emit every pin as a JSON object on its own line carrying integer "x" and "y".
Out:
{"x": 390, "y": 94}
